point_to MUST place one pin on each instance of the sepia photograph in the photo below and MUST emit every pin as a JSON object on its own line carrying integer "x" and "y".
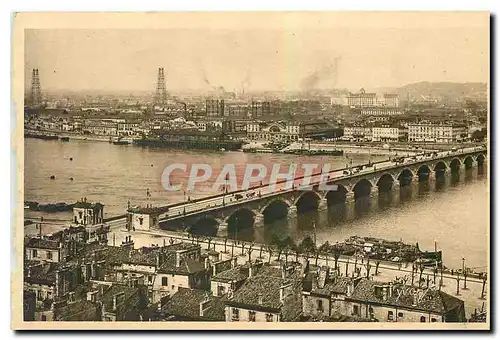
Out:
{"x": 251, "y": 170}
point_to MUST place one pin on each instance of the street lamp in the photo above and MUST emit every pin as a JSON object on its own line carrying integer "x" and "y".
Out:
{"x": 463, "y": 265}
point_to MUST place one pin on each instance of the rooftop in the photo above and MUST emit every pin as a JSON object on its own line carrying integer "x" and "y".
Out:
{"x": 185, "y": 303}
{"x": 42, "y": 243}
{"x": 432, "y": 301}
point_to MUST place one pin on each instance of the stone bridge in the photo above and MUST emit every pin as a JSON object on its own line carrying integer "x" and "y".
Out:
{"x": 217, "y": 215}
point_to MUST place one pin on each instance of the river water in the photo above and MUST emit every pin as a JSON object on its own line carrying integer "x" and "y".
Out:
{"x": 453, "y": 214}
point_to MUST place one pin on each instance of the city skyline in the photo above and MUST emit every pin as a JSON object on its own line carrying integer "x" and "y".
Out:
{"x": 269, "y": 58}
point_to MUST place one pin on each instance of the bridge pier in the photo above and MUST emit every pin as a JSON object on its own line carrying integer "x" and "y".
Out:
{"x": 258, "y": 220}
{"x": 222, "y": 229}
{"x": 323, "y": 204}
{"x": 395, "y": 186}
{"x": 292, "y": 211}
{"x": 349, "y": 197}
{"x": 374, "y": 191}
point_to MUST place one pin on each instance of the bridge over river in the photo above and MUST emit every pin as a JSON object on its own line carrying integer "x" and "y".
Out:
{"x": 214, "y": 215}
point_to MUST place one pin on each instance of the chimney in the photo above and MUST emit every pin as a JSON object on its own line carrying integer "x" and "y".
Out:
{"x": 204, "y": 304}
{"x": 235, "y": 262}
{"x": 214, "y": 270}
{"x": 250, "y": 270}
{"x": 261, "y": 301}
{"x": 391, "y": 288}
{"x": 177, "y": 259}
{"x": 385, "y": 293}
{"x": 93, "y": 270}
{"x": 282, "y": 294}
{"x": 92, "y": 296}
{"x": 283, "y": 271}
{"x": 159, "y": 259}
{"x": 29, "y": 271}
{"x": 350, "y": 287}
{"x": 57, "y": 285}
{"x": 415, "y": 299}
{"x": 207, "y": 263}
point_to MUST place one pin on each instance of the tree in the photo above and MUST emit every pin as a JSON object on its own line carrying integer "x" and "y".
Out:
{"x": 465, "y": 279}
{"x": 325, "y": 249}
{"x": 308, "y": 247}
{"x": 347, "y": 268}
{"x": 242, "y": 247}
{"x": 288, "y": 244}
{"x": 260, "y": 253}
{"x": 458, "y": 284}
{"x": 270, "y": 251}
{"x": 484, "y": 285}
{"x": 278, "y": 243}
{"x": 376, "y": 267}
{"x": 225, "y": 244}
{"x": 209, "y": 240}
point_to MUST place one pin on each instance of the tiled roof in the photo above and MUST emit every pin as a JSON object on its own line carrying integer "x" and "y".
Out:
{"x": 185, "y": 303}
{"x": 260, "y": 285}
{"x": 82, "y": 310}
{"x": 433, "y": 301}
{"x": 238, "y": 273}
{"x": 187, "y": 266}
{"x": 42, "y": 243}
{"x": 42, "y": 273}
{"x": 131, "y": 298}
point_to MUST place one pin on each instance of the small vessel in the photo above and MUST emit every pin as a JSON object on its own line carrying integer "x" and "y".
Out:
{"x": 64, "y": 139}
{"x": 52, "y": 177}
{"x": 121, "y": 141}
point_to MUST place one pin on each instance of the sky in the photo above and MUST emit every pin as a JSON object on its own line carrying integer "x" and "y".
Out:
{"x": 269, "y": 54}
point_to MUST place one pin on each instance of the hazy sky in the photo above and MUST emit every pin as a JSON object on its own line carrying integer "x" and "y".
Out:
{"x": 270, "y": 58}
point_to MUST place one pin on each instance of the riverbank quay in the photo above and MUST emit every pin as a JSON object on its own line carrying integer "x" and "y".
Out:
{"x": 473, "y": 291}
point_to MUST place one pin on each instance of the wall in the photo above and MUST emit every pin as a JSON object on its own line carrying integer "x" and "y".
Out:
{"x": 173, "y": 284}
{"x": 214, "y": 287}
{"x": 381, "y": 313}
{"x": 42, "y": 254}
{"x": 243, "y": 315}
{"x": 310, "y": 305}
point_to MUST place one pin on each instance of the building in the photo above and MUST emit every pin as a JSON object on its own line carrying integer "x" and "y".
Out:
{"x": 437, "y": 132}
{"x": 194, "y": 305}
{"x": 41, "y": 249}
{"x": 214, "y": 107}
{"x": 87, "y": 213}
{"x": 380, "y": 111}
{"x": 324, "y": 292}
{"x": 274, "y": 131}
{"x": 144, "y": 218}
{"x": 228, "y": 276}
{"x": 388, "y": 133}
{"x": 361, "y": 99}
{"x": 358, "y": 132}
{"x": 270, "y": 295}
{"x": 391, "y": 100}
{"x": 397, "y": 302}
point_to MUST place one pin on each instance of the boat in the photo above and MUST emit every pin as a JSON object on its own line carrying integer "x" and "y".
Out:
{"x": 309, "y": 152}
{"x": 64, "y": 139}
{"x": 40, "y": 136}
{"x": 121, "y": 141}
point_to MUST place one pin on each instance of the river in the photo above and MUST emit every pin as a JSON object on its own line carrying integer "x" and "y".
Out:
{"x": 453, "y": 214}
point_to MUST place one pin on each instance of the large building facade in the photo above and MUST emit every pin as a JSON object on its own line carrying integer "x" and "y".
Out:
{"x": 436, "y": 133}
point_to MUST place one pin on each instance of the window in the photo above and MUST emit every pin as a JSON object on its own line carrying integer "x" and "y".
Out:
{"x": 251, "y": 316}
{"x": 269, "y": 317}
{"x": 236, "y": 314}
{"x": 35, "y": 253}
{"x": 390, "y": 315}
{"x": 422, "y": 318}
{"x": 150, "y": 278}
{"x": 400, "y": 316}
{"x": 355, "y": 310}
{"x": 433, "y": 320}
{"x": 221, "y": 290}
{"x": 141, "y": 220}
{"x": 173, "y": 287}
{"x": 164, "y": 281}
{"x": 370, "y": 311}
{"x": 49, "y": 255}
{"x": 320, "y": 305}
{"x": 44, "y": 317}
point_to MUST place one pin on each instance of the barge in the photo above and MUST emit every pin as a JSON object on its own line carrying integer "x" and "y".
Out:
{"x": 196, "y": 140}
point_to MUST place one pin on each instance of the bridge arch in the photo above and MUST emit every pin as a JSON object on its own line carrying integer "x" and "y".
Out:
{"x": 308, "y": 201}
{"x": 480, "y": 158}
{"x": 276, "y": 210}
{"x": 334, "y": 197}
{"x": 455, "y": 164}
{"x": 385, "y": 182}
{"x": 469, "y": 162}
{"x": 205, "y": 226}
{"x": 405, "y": 176}
{"x": 424, "y": 172}
{"x": 239, "y": 220}
{"x": 362, "y": 188}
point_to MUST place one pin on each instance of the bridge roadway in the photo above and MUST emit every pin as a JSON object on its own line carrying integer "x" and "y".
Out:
{"x": 256, "y": 199}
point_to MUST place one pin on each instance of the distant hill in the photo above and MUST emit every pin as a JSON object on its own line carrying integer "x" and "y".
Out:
{"x": 441, "y": 90}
